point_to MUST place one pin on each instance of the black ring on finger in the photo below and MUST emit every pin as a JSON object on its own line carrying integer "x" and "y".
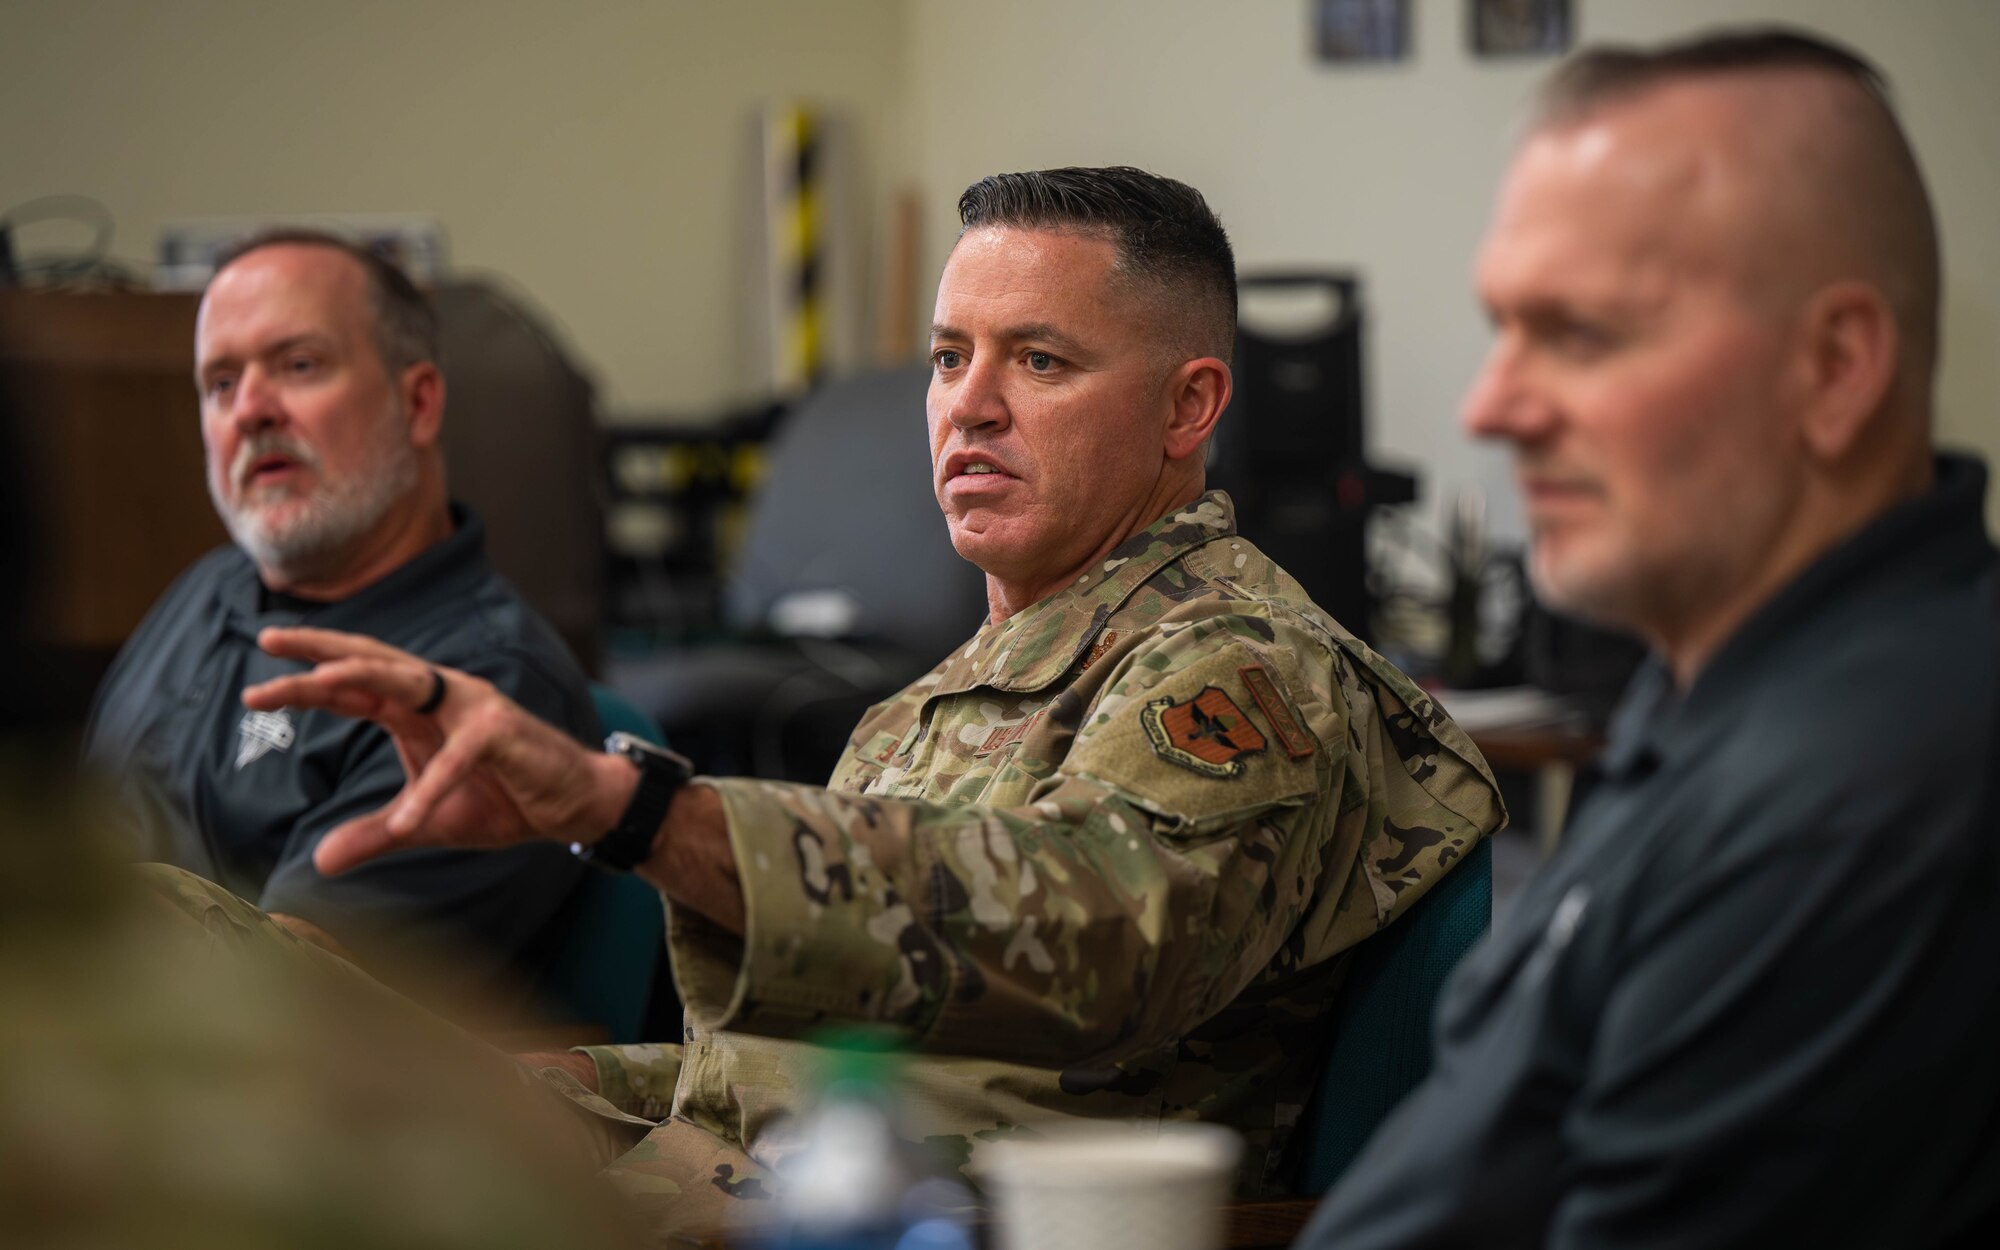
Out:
{"x": 437, "y": 695}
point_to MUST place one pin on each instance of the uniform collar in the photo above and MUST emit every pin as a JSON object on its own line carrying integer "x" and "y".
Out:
{"x": 1038, "y": 644}
{"x": 445, "y": 571}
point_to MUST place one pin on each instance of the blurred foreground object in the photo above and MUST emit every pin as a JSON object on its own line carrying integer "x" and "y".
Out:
{"x": 153, "y": 1093}
{"x": 1113, "y": 1187}
{"x": 854, "y": 1180}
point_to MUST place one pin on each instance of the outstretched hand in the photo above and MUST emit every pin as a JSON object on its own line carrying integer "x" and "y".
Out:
{"x": 480, "y": 771}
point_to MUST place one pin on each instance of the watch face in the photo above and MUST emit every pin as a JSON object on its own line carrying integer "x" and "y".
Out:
{"x": 643, "y": 753}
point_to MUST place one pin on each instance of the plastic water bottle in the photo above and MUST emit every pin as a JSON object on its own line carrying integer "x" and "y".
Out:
{"x": 854, "y": 1184}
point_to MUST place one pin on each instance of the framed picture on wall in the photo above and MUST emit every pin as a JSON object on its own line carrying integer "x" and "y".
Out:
{"x": 1519, "y": 27}
{"x": 1361, "y": 30}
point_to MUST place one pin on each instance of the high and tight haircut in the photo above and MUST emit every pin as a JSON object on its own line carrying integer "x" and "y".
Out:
{"x": 1605, "y": 73}
{"x": 1169, "y": 242}
{"x": 406, "y": 324}
{"x": 1604, "y": 76}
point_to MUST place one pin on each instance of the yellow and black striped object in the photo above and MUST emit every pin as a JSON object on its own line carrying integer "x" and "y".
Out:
{"x": 793, "y": 183}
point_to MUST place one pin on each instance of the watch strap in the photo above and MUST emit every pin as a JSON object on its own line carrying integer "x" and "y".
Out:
{"x": 662, "y": 773}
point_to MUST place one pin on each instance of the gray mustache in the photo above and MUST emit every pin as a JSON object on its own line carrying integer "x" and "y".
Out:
{"x": 269, "y": 443}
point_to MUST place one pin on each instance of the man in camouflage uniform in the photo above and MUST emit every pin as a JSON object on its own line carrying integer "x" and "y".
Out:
{"x": 1104, "y": 859}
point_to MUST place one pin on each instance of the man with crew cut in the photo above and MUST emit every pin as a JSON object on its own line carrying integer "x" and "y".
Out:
{"x": 1103, "y": 862}
{"x": 1750, "y": 1000}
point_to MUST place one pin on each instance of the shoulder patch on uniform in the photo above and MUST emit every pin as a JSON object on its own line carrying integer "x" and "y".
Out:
{"x": 1208, "y": 734}
{"x": 1297, "y": 742}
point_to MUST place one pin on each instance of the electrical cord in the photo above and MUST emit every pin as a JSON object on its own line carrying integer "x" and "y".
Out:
{"x": 93, "y": 266}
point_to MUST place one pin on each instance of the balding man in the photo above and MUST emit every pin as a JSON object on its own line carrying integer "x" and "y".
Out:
{"x": 321, "y": 409}
{"x": 1750, "y": 1001}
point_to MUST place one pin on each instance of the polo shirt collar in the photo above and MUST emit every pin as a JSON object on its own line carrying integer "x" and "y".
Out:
{"x": 1938, "y": 536}
{"x": 1033, "y": 647}
{"x": 447, "y": 570}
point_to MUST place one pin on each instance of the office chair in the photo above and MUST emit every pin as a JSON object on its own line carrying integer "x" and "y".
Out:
{"x": 1381, "y": 1047}
{"x": 1381, "y": 1044}
{"x": 608, "y": 968}
{"x": 844, "y": 590}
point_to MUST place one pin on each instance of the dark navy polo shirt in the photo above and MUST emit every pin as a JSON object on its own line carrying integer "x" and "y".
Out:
{"x": 1751, "y": 1001}
{"x": 243, "y": 798}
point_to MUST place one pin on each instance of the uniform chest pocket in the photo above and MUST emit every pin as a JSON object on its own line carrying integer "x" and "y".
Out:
{"x": 968, "y": 748}
{"x": 885, "y": 765}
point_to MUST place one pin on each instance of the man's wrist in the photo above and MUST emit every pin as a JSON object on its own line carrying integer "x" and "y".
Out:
{"x": 693, "y": 863}
{"x": 695, "y": 808}
{"x": 613, "y": 781}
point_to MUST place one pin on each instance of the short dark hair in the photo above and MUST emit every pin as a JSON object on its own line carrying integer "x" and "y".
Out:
{"x": 1599, "y": 75}
{"x": 1166, "y": 236}
{"x": 406, "y": 325}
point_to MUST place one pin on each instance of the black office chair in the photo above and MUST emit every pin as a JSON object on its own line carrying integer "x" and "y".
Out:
{"x": 844, "y": 590}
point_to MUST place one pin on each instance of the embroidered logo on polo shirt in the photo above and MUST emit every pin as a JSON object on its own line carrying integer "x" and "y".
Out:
{"x": 263, "y": 732}
{"x": 1557, "y": 935}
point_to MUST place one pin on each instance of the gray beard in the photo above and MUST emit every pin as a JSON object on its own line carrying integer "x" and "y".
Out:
{"x": 313, "y": 541}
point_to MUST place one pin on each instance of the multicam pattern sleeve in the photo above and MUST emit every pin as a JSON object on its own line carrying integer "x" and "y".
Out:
{"x": 637, "y": 1079}
{"x": 1095, "y": 826}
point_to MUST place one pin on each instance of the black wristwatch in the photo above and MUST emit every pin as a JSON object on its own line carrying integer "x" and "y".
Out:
{"x": 662, "y": 773}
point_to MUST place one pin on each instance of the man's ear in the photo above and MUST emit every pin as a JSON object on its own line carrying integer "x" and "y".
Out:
{"x": 422, "y": 387}
{"x": 1199, "y": 391}
{"x": 1849, "y": 352}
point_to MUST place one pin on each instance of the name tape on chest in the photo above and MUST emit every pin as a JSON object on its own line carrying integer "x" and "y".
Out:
{"x": 1006, "y": 734}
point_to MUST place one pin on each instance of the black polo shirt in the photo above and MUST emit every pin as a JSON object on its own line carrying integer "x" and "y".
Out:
{"x": 243, "y": 797}
{"x": 1752, "y": 999}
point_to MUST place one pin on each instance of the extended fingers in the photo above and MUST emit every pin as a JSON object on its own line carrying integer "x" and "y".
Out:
{"x": 317, "y": 645}
{"x": 443, "y": 773}
{"x": 351, "y": 687}
{"x": 356, "y": 842}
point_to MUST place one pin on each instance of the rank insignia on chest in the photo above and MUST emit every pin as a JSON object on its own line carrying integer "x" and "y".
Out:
{"x": 1105, "y": 641}
{"x": 1208, "y": 733}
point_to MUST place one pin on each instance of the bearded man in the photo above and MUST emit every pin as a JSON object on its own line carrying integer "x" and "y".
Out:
{"x": 321, "y": 409}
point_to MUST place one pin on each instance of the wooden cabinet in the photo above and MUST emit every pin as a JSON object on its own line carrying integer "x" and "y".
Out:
{"x": 103, "y": 388}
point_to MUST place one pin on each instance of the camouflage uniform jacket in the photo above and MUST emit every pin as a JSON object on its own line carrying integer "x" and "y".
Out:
{"x": 1102, "y": 861}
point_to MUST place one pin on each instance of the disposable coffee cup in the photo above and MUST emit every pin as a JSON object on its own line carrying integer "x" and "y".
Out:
{"x": 1110, "y": 1187}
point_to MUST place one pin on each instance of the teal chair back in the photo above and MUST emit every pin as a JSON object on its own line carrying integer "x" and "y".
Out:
{"x": 1381, "y": 1045}
{"x": 604, "y": 971}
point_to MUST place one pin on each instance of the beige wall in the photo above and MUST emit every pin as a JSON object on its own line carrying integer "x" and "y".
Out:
{"x": 593, "y": 153}
{"x": 1389, "y": 169}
